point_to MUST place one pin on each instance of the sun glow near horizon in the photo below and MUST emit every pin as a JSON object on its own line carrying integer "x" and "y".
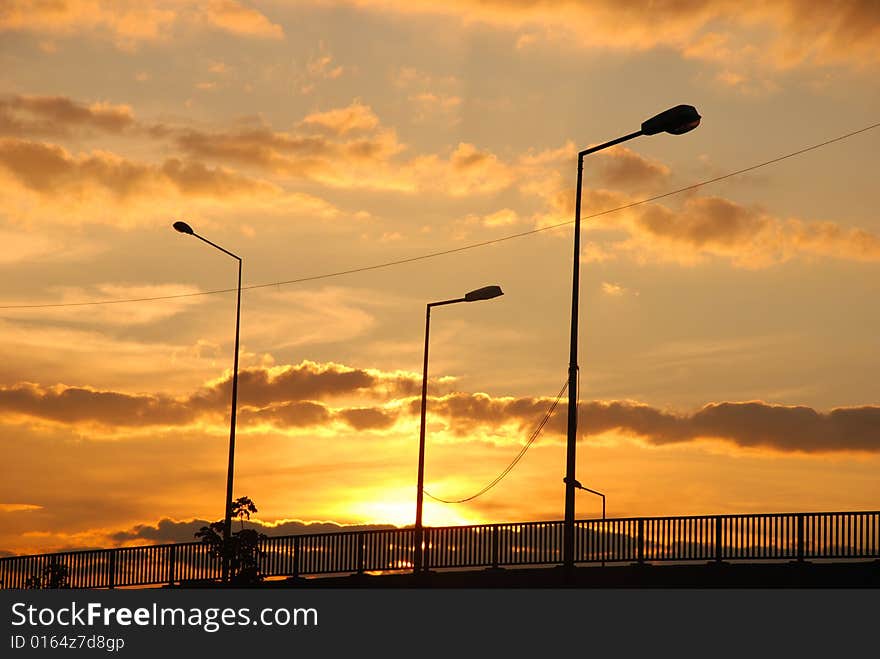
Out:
{"x": 398, "y": 507}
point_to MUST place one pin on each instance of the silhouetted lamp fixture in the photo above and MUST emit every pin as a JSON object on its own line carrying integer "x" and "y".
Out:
{"x": 485, "y": 293}
{"x": 183, "y": 227}
{"x": 675, "y": 121}
{"x": 578, "y": 486}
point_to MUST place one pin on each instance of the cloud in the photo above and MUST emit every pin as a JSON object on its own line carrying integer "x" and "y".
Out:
{"x": 116, "y": 410}
{"x": 18, "y": 507}
{"x": 746, "y": 424}
{"x": 52, "y": 170}
{"x": 50, "y": 184}
{"x": 430, "y": 104}
{"x": 129, "y": 23}
{"x": 613, "y": 290}
{"x": 56, "y": 115}
{"x": 168, "y": 530}
{"x": 501, "y": 219}
{"x": 323, "y": 67}
{"x": 468, "y": 170}
{"x": 284, "y": 397}
{"x": 72, "y": 405}
{"x": 308, "y": 380}
{"x": 317, "y": 68}
{"x": 296, "y": 396}
{"x": 312, "y": 157}
{"x": 700, "y": 228}
{"x": 620, "y": 167}
{"x": 235, "y": 18}
{"x": 747, "y": 235}
{"x": 370, "y": 158}
{"x": 357, "y": 117}
{"x": 368, "y": 418}
{"x": 775, "y": 35}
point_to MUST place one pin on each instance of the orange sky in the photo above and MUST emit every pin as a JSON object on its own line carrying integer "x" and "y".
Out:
{"x": 728, "y": 344}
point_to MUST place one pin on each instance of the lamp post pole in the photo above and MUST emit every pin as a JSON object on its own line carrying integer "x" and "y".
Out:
{"x": 485, "y": 293}
{"x": 676, "y": 121}
{"x": 183, "y": 227}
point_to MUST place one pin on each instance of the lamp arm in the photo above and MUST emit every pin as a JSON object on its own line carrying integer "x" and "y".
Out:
{"x": 605, "y": 145}
{"x": 215, "y": 245}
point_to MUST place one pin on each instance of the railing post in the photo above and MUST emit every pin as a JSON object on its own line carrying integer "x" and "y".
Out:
{"x": 496, "y": 549}
{"x": 360, "y": 552}
{"x": 111, "y": 569}
{"x": 426, "y": 552}
{"x": 297, "y": 547}
{"x": 718, "y": 539}
{"x": 172, "y": 560}
{"x": 800, "y": 537}
{"x": 641, "y": 541}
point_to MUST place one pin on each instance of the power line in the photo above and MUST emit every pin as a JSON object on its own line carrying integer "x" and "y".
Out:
{"x": 513, "y": 462}
{"x": 454, "y": 250}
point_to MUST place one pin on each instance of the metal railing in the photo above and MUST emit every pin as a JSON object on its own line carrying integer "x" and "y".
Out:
{"x": 765, "y": 537}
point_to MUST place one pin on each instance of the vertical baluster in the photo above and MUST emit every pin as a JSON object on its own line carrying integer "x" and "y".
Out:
{"x": 800, "y": 537}
{"x": 641, "y": 541}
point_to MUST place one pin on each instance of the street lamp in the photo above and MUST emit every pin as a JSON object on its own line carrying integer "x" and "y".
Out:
{"x": 578, "y": 486}
{"x": 183, "y": 227}
{"x": 676, "y": 121}
{"x": 485, "y": 293}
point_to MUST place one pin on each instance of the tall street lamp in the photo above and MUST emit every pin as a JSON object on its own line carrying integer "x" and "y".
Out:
{"x": 183, "y": 227}
{"x": 485, "y": 293}
{"x": 676, "y": 121}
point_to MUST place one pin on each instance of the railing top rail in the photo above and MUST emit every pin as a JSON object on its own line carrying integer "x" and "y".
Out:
{"x": 474, "y": 527}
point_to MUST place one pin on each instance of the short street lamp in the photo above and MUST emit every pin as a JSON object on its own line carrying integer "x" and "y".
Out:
{"x": 485, "y": 293}
{"x": 676, "y": 121}
{"x": 183, "y": 227}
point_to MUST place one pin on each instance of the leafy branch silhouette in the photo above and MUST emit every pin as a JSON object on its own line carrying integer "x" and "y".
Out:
{"x": 243, "y": 550}
{"x": 54, "y": 575}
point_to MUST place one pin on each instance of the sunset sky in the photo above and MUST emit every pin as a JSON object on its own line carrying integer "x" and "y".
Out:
{"x": 730, "y": 335}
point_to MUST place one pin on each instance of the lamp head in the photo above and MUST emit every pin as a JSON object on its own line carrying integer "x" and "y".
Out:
{"x": 485, "y": 293}
{"x": 675, "y": 121}
{"x": 183, "y": 227}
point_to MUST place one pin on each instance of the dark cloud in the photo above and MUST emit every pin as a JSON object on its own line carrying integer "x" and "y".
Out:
{"x": 308, "y": 156}
{"x": 260, "y": 387}
{"x": 260, "y": 146}
{"x": 197, "y": 179}
{"x": 706, "y": 221}
{"x": 57, "y": 115}
{"x": 285, "y": 397}
{"x": 289, "y": 397}
{"x": 168, "y": 531}
{"x": 466, "y": 158}
{"x": 77, "y": 405}
{"x": 307, "y": 414}
{"x": 52, "y": 171}
{"x": 622, "y": 168}
{"x": 747, "y": 424}
{"x": 367, "y": 418}
{"x": 779, "y": 34}
{"x": 289, "y": 415}
{"x": 746, "y": 234}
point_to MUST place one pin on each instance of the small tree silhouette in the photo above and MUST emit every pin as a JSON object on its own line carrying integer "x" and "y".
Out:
{"x": 243, "y": 550}
{"x": 54, "y": 575}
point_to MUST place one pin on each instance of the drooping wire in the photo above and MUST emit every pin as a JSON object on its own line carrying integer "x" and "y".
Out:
{"x": 513, "y": 462}
{"x": 454, "y": 250}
